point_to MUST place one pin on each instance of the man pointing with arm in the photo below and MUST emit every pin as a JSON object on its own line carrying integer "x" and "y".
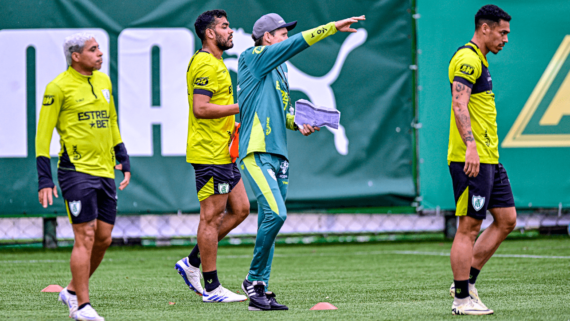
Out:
{"x": 263, "y": 96}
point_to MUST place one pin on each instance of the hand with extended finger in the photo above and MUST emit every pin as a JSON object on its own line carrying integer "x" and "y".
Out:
{"x": 45, "y": 196}
{"x": 471, "y": 168}
{"x": 307, "y": 130}
{"x": 127, "y": 178}
{"x": 344, "y": 25}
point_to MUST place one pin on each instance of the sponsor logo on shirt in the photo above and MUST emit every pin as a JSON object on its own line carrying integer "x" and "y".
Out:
{"x": 258, "y": 50}
{"x": 201, "y": 81}
{"x": 48, "y": 100}
{"x": 76, "y": 155}
{"x": 267, "y": 127}
{"x": 467, "y": 69}
{"x": 99, "y": 118}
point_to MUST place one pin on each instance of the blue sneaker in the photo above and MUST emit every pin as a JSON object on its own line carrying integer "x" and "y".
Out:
{"x": 190, "y": 274}
{"x": 68, "y": 300}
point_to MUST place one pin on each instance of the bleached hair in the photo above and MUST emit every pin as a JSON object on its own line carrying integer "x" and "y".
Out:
{"x": 75, "y": 43}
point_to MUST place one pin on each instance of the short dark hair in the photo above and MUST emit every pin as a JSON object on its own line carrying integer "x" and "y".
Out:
{"x": 259, "y": 41}
{"x": 490, "y": 14}
{"x": 207, "y": 20}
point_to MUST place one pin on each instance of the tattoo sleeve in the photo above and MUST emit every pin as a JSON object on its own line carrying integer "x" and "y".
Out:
{"x": 461, "y": 95}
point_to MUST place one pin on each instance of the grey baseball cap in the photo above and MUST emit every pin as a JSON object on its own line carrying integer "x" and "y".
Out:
{"x": 270, "y": 22}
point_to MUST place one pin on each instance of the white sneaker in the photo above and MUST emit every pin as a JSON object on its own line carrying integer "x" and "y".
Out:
{"x": 468, "y": 307}
{"x": 221, "y": 294}
{"x": 190, "y": 274}
{"x": 472, "y": 293}
{"x": 68, "y": 300}
{"x": 88, "y": 314}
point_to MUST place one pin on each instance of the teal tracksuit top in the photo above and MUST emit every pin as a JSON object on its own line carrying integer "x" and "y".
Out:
{"x": 263, "y": 92}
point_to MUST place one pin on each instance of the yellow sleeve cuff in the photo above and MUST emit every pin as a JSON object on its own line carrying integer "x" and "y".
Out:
{"x": 319, "y": 33}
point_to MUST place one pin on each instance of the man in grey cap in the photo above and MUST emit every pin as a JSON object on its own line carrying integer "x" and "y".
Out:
{"x": 263, "y": 98}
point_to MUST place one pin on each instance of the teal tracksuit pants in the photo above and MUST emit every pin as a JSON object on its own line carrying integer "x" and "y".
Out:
{"x": 268, "y": 175}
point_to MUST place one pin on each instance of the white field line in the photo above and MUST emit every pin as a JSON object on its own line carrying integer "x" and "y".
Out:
{"x": 248, "y": 256}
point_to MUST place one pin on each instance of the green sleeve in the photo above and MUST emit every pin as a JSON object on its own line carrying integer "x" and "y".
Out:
{"x": 263, "y": 59}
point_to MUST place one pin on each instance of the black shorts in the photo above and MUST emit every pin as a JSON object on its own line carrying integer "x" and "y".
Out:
{"x": 215, "y": 179}
{"x": 88, "y": 197}
{"x": 474, "y": 195}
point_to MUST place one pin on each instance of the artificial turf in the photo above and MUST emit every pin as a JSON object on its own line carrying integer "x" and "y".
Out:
{"x": 382, "y": 281}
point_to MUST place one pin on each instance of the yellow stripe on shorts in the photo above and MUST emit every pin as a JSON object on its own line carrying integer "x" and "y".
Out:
{"x": 68, "y": 213}
{"x": 257, "y": 175}
{"x": 463, "y": 203}
{"x": 206, "y": 190}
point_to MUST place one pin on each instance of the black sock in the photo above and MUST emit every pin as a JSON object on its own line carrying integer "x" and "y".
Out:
{"x": 211, "y": 280}
{"x": 194, "y": 257}
{"x": 473, "y": 275}
{"x": 71, "y": 292}
{"x": 83, "y": 305}
{"x": 461, "y": 289}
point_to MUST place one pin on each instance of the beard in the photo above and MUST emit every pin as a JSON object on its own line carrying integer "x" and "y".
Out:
{"x": 224, "y": 44}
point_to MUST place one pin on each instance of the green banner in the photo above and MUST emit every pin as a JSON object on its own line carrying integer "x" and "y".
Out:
{"x": 531, "y": 82}
{"x": 147, "y": 46}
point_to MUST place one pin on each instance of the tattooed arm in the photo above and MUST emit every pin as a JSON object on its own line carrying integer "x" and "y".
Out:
{"x": 461, "y": 94}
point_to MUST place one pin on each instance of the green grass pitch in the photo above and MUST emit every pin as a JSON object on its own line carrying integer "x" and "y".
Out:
{"x": 382, "y": 281}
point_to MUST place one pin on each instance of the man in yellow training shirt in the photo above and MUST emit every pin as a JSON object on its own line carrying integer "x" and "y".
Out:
{"x": 79, "y": 104}
{"x": 211, "y": 124}
{"x": 480, "y": 182}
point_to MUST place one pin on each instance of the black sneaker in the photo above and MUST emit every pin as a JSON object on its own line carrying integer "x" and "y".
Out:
{"x": 273, "y": 303}
{"x": 256, "y": 292}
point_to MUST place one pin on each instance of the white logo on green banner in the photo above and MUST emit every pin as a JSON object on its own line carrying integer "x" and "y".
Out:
{"x": 478, "y": 202}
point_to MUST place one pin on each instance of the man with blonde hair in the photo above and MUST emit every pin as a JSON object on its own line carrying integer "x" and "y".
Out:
{"x": 79, "y": 104}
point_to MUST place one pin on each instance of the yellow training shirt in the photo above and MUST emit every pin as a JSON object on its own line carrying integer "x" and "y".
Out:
{"x": 82, "y": 110}
{"x": 209, "y": 139}
{"x": 469, "y": 67}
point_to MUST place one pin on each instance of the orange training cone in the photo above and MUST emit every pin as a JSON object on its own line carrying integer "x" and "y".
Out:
{"x": 53, "y": 288}
{"x": 324, "y": 306}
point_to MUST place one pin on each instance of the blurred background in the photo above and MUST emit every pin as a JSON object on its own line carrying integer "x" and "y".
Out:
{"x": 382, "y": 176}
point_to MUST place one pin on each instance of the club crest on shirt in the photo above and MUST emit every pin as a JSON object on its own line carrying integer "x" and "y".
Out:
{"x": 478, "y": 202}
{"x": 223, "y": 188}
{"x": 75, "y": 207}
{"x": 107, "y": 95}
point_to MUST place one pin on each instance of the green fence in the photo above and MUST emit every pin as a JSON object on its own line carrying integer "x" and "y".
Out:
{"x": 147, "y": 45}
